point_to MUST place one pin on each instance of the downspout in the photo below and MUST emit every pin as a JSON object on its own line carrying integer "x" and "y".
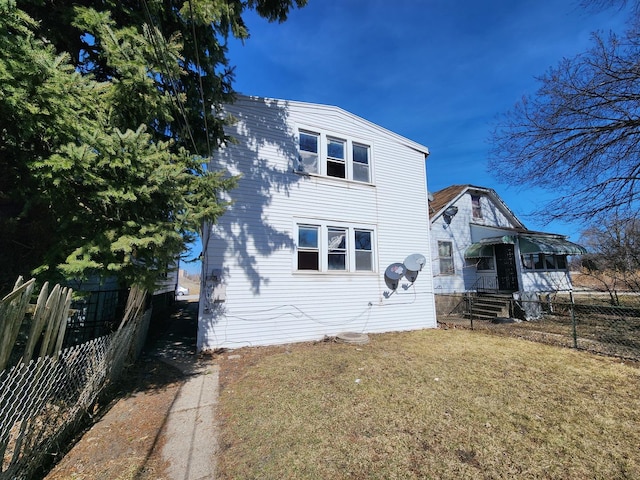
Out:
{"x": 517, "y": 295}
{"x": 518, "y": 264}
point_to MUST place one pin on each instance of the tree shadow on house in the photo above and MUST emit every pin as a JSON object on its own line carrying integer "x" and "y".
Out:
{"x": 263, "y": 155}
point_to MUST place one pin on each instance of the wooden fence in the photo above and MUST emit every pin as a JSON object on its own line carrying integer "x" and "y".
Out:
{"x": 48, "y": 320}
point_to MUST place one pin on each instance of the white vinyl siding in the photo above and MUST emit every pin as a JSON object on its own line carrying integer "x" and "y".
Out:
{"x": 255, "y": 245}
{"x": 462, "y": 232}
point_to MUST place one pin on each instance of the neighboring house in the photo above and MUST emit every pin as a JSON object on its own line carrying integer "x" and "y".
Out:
{"x": 326, "y": 202}
{"x": 479, "y": 245}
{"x": 101, "y": 304}
{"x": 168, "y": 284}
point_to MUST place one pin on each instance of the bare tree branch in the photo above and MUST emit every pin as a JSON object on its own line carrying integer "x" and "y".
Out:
{"x": 580, "y": 134}
{"x": 613, "y": 260}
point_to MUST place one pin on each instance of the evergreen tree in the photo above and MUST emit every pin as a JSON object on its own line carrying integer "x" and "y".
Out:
{"x": 108, "y": 114}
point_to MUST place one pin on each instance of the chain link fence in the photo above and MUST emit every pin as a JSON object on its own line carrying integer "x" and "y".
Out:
{"x": 42, "y": 402}
{"x": 561, "y": 320}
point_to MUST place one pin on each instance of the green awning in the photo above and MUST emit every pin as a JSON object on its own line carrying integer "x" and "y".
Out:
{"x": 498, "y": 240}
{"x": 484, "y": 248}
{"x": 549, "y": 245}
{"x": 478, "y": 250}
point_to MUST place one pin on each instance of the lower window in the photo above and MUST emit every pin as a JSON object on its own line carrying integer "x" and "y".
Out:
{"x": 541, "y": 261}
{"x": 364, "y": 250}
{"x": 326, "y": 247}
{"x": 337, "y": 248}
{"x": 308, "y": 251}
{"x": 486, "y": 263}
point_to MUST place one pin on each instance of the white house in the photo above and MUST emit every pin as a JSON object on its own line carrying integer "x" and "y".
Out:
{"x": 479, "y": 245}
{"x": 326, "y": 202}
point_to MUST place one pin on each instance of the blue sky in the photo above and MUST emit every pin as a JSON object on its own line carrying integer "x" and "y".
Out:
{"x": 438, "y": 72}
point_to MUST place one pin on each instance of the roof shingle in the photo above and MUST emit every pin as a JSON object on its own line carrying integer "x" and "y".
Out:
{"x": 442, "y": 197}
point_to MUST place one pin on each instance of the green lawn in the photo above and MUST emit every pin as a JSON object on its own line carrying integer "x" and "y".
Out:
{"x": 427, "y": 404}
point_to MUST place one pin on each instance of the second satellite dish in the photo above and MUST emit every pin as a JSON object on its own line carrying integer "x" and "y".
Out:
{"x": 393, "y": 274}
{"x": 414, "y": 263}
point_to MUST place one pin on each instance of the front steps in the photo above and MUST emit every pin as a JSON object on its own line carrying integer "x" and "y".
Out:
{"x": 489, "y": 306}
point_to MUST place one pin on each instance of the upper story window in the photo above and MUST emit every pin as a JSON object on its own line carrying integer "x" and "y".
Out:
{"x": 476, "y": 208}
{"x": 445, "y": 257}
{"x": 309, "y": 143}
{"x": 336, "y": 159}
{"x": 333, "y": 156}
{"x": 327, "y": 248}
{"x": 361, "y": 163}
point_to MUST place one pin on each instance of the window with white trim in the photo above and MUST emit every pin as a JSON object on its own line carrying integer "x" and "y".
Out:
{"x": 308, "y": 156}
{"x": 476, "y": 206}
{"x": 361, "y": 171}
{"x": 333, "y": 156}
{"x": 364, "y": 250}
{"x": 445, "y": 257}
{"x": 329, "y": 247}
{"x": 308, "y": 248}
{"x": 337, "y": 248}
{"x": 336, "y": 158}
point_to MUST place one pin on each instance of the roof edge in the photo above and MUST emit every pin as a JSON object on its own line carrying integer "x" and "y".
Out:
{"x": 404, "y": 140}
{"x": 464, "y": 189}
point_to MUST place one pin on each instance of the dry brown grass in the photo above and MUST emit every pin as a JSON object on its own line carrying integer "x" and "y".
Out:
{"x": 626, "y": 299}
{"x": 428, "y": 404}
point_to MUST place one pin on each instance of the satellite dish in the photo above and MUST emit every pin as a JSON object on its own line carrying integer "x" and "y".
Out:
{"x": 393, "y": 274}
{"x": 413, "y": 264}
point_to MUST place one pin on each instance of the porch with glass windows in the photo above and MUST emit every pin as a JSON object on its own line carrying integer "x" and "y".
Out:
{"x": 521, "y": 262}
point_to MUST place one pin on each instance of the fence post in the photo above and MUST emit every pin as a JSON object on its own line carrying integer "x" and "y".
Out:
{"x": 470, "y": 308}
{"x": 573, "y": 320}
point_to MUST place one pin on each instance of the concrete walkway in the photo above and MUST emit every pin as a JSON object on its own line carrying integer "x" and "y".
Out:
{"x": 190, "y": 433}
{"x": 162, "y": 427}
{"x": 190, "y": 443}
